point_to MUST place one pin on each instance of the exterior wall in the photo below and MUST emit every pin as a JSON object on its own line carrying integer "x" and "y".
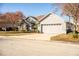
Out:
{"x": 22, "y": 27}
{"x": 54, "y": 19}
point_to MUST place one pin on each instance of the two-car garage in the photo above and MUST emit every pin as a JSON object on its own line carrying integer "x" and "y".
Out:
{"x": 51, "y": 28}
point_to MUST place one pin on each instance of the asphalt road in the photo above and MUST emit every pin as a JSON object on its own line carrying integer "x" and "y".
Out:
{"x": 26, "y": 47}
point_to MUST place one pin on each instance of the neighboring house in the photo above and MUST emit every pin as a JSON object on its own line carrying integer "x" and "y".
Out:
{"x": 33, "y": 23}
{"x": 28, "y": 24}
{"x": 21, "y": 24}
{"x": 53, "y": 24}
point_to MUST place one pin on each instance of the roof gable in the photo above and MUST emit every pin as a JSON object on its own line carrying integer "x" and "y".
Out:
{"x": 31, "y": 18}
{"x": 45, "y": 17}
{"x": 39, "y": 17}
{"x": 53, "y": 15}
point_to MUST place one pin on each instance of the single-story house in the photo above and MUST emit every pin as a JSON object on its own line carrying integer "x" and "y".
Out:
{"x": 53, "y": 24}
{"x": 48, "y": 24}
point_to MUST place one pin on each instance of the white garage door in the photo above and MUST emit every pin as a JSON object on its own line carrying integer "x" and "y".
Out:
{"x": 51, "y": 28}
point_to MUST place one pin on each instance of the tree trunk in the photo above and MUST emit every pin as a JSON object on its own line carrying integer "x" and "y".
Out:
{"x": 75, "y": 27}
{"x": 75, "y": 34}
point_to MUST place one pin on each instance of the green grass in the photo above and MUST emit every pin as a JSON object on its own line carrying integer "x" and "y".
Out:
{"x": 65, "y": 37}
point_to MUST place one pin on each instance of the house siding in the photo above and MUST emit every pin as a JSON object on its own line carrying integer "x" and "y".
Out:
{"x": 53, "y": 20}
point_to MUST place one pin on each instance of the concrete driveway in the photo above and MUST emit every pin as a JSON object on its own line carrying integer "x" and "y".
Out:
{"x": 31, "y": 36}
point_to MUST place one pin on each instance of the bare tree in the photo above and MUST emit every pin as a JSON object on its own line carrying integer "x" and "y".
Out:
{"x": 11, "y": 18}
{"x": 71, "y": 10}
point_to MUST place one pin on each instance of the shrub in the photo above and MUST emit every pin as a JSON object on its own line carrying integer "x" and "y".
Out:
{"x": 66, "y": 37}
{"x": 24, "y": 31}
{"x": 75, "y": 35}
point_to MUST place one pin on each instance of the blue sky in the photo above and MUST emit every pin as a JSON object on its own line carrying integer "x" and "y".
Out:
{"x": 29, "y": 9}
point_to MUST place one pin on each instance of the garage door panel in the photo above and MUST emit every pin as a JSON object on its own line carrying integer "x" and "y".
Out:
{"x": 51, "y": 29}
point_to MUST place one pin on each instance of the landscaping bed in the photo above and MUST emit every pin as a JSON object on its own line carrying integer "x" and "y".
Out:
{"x": 65, "y": 37}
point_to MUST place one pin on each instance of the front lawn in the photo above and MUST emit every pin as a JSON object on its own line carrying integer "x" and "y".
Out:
{"x": 65, "y": 37}
{"x": 11, "y": 33}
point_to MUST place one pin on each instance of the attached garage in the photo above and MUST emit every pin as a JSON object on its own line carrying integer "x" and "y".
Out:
{"x": 52, "y": 24}
{"x": 51, "y": 28}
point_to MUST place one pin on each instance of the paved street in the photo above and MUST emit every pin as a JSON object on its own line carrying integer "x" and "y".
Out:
{"x": 25, "y": 47}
